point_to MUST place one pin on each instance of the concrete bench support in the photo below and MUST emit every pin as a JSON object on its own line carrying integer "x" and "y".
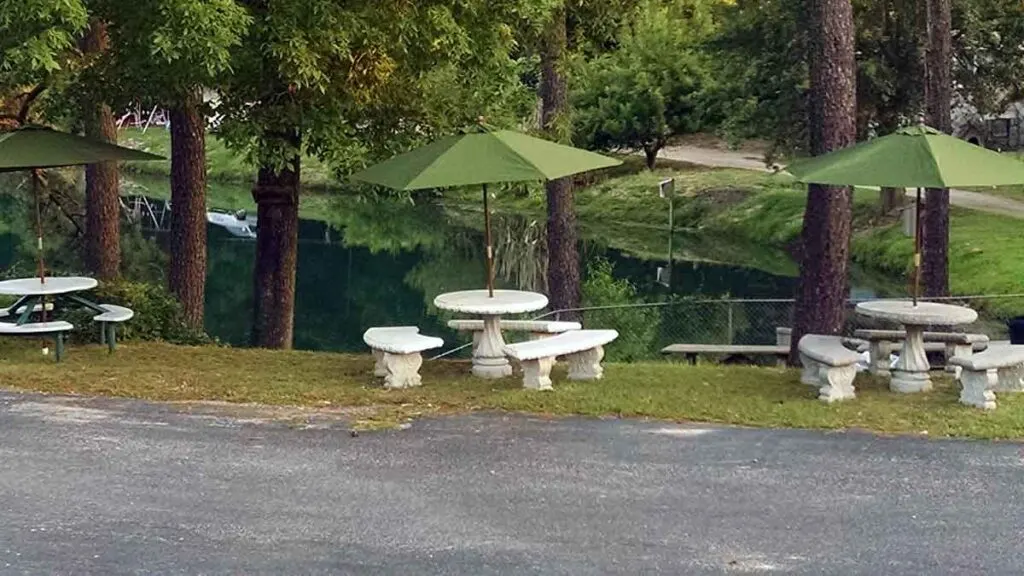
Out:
{"x": 109, "y": 320}
{"x": 397, "y": 354}
{"x": 57, "y": 328}
{"x": 999, "y": 368}
{"x": 582, "y": 349}
{"x": 828, "y": 365}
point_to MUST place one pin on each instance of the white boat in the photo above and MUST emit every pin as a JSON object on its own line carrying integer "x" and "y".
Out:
{"x": 236, "y": 223}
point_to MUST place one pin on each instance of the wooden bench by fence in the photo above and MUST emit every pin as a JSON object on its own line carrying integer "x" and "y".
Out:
{"x": 691, "y": 351}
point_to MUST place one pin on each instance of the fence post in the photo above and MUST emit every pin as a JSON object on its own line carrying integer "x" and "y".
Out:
{"x": 731, "y": 335}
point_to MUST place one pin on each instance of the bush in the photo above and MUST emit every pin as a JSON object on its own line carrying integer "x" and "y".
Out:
{"x": 638, "y": 327}
{"x": 158, "y": 315}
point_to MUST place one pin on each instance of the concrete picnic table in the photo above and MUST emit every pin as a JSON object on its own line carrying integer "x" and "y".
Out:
{"x": 911, "y": 373}
{"x": 33, "y": 290}
{"x": 489, "y": 359}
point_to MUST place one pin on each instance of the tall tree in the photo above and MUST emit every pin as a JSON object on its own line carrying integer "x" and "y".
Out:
{"x": 938, "y": 99}
{"x": 824, "y": 260}
{"x": 346, "y": 79}
{"x": 166, "y": 52}
{"x": 102, "y": 199}
{"x": 563, "y": 249}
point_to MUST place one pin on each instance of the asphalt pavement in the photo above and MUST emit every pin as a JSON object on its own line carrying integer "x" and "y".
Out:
{"x": 121, "y": 487}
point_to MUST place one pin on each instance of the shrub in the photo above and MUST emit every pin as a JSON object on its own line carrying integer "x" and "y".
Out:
{"x": 158, "y": 315}
{"x": 638, "y": 327}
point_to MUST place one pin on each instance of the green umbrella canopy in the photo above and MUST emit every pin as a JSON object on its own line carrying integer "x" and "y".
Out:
{"x": 482, "y": 158}
{"x": 912, "y": 157}
{"x": 41, "y": 147}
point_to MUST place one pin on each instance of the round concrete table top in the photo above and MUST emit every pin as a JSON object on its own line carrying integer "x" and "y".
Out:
{"x": 923, "y": 314}
{"x": 479, "y": 302}
{"x": 53, "y": 285}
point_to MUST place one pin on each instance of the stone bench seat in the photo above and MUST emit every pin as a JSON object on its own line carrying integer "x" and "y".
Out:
{"x": 536, "y": 328}
{"x": 109, "y": 319}
{"x": 57, "y": 327}
{"x": 953, "y": 344}
{"x": 582, "y": 349}
{"x": 1000, "y": 368}
{"x": 21, "y": 310}
{"x": 397, "y": 351}
{"x": 829, "y": 365}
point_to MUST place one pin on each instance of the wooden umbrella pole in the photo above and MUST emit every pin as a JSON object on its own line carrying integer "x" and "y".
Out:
{"x": 917, "y": 247}
{"x": 490, "y": 249}
{"x": 36, "y": 185}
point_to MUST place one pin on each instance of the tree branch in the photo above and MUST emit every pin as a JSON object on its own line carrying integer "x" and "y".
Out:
{"x": 30, "y": 97}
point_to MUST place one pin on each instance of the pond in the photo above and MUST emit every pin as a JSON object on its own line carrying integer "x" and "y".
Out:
{"x": 379, "y": 263}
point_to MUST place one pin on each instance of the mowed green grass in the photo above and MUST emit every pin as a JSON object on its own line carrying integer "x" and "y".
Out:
{"x": 752, "y": 396}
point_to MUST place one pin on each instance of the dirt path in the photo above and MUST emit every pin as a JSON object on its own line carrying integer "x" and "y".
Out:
{"x": 745, "y": 160}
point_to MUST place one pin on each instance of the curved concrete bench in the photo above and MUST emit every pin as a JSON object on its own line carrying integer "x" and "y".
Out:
{"x": 56, "y": 327}
{"x": 397, "y": 352}
{"x": 829, "y": 365}
{"x": 21, "y": 310}
{"x": 583, "y": 350}
{"x": 1000, "y": 368}
{"x": 537, "y": 328}
{"x": 109, "y": 319}
{"x": 882, "y": 343}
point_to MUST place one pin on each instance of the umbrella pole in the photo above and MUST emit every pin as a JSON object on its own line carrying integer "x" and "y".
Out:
{"x": 917, "y": 247}
{"x": 490, "y": 249}
{"x": 36, "y": 185}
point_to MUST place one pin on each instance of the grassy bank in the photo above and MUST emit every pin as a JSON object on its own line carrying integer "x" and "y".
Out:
{"x": 765, "y": 397}
{"x": 223, "y": 165}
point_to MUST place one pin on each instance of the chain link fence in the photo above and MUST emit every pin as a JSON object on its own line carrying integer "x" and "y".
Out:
{"x": 646, "y": 328}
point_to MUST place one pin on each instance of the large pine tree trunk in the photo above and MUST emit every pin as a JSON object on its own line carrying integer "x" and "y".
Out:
{"x": 563, "y": 251}
{"x": 823, "y": 285}
{"x": 277, "y": 244}
{"x": 187, "y": 276}
{"x": 102, "y": 207}
{"x": 938, "y": 97}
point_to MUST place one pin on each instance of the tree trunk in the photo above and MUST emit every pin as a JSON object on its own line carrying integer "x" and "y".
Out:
{"x": 651, "y": 154}
{"x": 890, "y": 199}
{"x": 938, "y": 97}
{"x": 277, "y": 243}
{"x": 563, "y": 251}
{"x": 187, "y": 276}
{"x": 823, "y": 285}
{"x": 102, "y": 206}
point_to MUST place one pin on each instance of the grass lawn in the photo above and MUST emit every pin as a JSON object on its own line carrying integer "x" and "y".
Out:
{"x": 222, "y": 164}
{"x": 767, "y": 397}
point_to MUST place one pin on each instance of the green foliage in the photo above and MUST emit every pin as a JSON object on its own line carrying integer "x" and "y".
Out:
{"x": 638, "y": 327}
{"x": 158, "y": 315}
{"x": 36, "y": 38}
{"x": 656, "y": 84}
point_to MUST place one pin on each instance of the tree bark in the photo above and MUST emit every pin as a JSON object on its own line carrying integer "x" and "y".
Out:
{"x": 563, "y": 249}
{"x": 890, "y": 199}
{"x": 651, "y": 155}
{"x": 277, "y": 244}
{"x": 938, "y": 98}
{"x": 823, "y": 285}
{"x": 102, "y": 207}
{"x": 187, "y": 276}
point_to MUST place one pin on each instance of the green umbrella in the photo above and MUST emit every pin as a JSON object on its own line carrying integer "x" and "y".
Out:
{"x": 36, "y": 147}
{"x": 482, "y": 158}
{"x": 913, "y": 157}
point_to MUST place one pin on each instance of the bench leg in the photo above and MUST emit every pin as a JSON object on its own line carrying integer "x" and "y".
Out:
{"x": 958, "y": 351}
{"x": 537, "y": 373}
{"x": 880, "y": 352}
{"x": 60, "y": 346}
{"x": 111, "y": 337}
{"x": 103, "y": 332}
{"x": 1010, "y": 379}
{"x": 586, "y": 365}
{"x": 379, "y": 369}
{"x": 976, "y": 388}
{"x": 403, "y": 370}
{"x": 810, "y": 374}
{"x": 837, "y": 383}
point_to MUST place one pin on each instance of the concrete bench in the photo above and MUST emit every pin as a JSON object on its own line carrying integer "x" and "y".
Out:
{"x": 582, "y": 349}
{"x": 57, "y": 327}
{"x": 4, "y": 313}
{"x": 829, "y": 365}
{"x": 397, "y": 351}
{"x": 1000, "y": 368}
{"x": 537, "y": 328}
{"x": 883, "y": 342}
{"x": 109, "y": 319}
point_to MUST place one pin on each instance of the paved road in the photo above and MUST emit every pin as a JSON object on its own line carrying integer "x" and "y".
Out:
{"x": 111, "y": 487}
{"x": 751, "y": 161}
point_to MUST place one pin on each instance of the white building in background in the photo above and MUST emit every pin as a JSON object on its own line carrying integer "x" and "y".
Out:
{"x": 998, "y": 132}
